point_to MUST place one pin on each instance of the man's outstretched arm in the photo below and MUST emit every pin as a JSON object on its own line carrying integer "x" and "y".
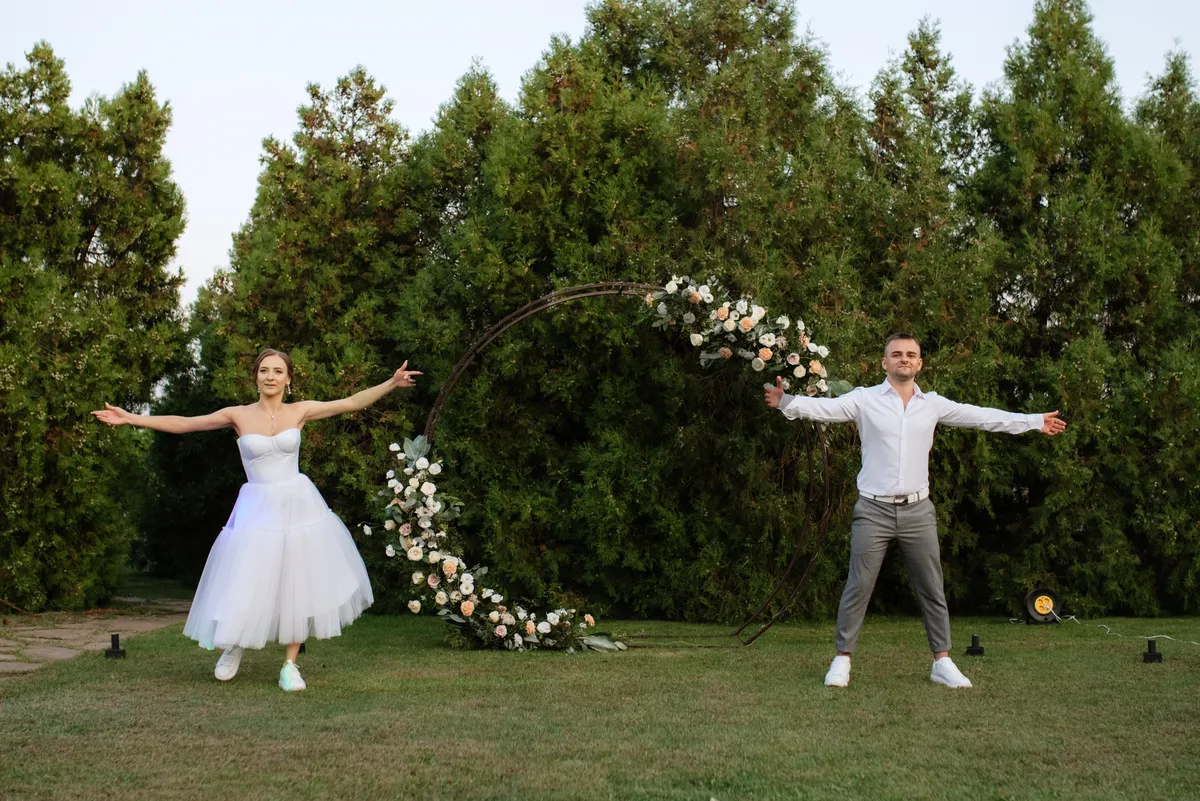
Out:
{"x": 964, "y": 415}
{"x": 824, "y": 410}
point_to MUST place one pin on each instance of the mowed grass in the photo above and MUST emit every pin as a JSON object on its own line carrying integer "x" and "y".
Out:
{"x": 390, "y": 712}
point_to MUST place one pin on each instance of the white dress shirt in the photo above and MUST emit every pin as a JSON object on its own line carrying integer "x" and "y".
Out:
{"x": 896, "y": 440}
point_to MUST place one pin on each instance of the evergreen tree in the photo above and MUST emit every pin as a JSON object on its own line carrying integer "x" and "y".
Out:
{"x": 1086, "y": 291}
{"x": 89, "y": 217}
{"x": 315, "y": 272}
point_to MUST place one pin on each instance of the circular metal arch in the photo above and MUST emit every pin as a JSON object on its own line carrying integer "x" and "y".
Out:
{"x": 633, "y": 288}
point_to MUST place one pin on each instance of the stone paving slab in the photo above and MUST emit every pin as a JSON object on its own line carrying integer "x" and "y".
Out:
{"x": 28, "y": 643}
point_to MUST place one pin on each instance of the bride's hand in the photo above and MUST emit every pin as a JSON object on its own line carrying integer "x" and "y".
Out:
{"x": 403, "y": 377}
{"x": 113, "y": 415}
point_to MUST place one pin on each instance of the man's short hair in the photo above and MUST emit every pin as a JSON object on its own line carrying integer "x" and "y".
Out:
{"x": 900, "y": 335}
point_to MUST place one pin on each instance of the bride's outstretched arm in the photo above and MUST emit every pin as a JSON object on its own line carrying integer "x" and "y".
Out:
{"x": 170, "y": 423}
{"x": 319, "y": 410}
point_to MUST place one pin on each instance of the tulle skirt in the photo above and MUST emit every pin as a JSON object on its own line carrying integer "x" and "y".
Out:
{"x": 283, "y": 569}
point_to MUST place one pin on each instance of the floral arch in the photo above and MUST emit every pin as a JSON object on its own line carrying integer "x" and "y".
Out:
{"x": 417, "y": 516}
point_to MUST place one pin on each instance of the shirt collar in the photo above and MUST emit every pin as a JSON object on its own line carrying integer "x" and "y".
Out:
{"x": 887, "y": 387}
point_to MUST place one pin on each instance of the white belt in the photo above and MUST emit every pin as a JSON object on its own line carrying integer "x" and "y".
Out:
{"x": 899, "y": 500}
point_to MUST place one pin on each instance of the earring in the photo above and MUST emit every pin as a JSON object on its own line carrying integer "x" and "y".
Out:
{"x": 289, "y": 389}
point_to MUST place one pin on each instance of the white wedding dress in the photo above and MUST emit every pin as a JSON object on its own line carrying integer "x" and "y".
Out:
{"x": 284, "y": 568}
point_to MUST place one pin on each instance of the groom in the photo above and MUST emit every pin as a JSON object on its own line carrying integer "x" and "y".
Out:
{"x": 895, "y": 425}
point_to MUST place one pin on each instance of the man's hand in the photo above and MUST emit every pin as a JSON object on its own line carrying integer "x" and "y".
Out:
{"x": 1052, "y": 425}
{"x": 773, "y": 394}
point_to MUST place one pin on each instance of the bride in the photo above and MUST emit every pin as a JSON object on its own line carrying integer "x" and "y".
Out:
{"x": 284, "y": 568}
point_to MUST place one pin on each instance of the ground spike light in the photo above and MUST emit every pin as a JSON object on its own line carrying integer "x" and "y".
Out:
{"x": 116, "y": 652}
{"x": 1152, "y": 655}
{"x": 975, "y": 649}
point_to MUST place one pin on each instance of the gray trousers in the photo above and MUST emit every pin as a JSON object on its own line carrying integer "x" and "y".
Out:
{"x": 914, "y": 526}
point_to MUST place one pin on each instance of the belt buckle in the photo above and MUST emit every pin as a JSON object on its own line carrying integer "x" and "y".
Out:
{"x": 902, "y": 500}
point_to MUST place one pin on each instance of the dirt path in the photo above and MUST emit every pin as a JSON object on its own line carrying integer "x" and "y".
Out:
{"x": 29, "y": 641}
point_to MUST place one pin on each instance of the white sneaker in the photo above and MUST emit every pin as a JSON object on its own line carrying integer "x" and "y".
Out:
{"x": 839, "y": 672}
{"x": 227, "y": 665}
{"x": 290, "y": 679}
{"x": 946, "y": 672}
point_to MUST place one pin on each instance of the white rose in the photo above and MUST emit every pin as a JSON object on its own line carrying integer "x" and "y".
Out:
{"x": 822, "y": 351}
{"x": 729, "y": 324}
{"x": 517, "y": 639}
{"x": 783, "y": 323}
{"x": 456, "y": 596}
{"x": 758, "y": 364}
{"x": 393, "y": 447}
{"x": 662, "y": 309}
{"x": 435, "y": 469}
{"x": 798, "y": 372}
{"x": 742, "y": 305}
{"x": 422, "y": 463}
{"x": 408, "y": 471}
{"x": 415, "y": 554}
{"x": 553, "y": 618}
{"x": 414, "y": 482}
{"x": 425, "y": 523}
{"x": 494, "y": 616}
{"x": 390, "y": 525}
{"x": 704, "y": 289}
{"x": 486, "y": 593}
{"x": 793, "y": 359}
{"x": 821, "y": 385}
{"x": 418, "y": 577}
{"x": 672, "y": 287}
{"x": 768, "y": 340}
{"x": 467, "y": 578}
{"x": 689, "y": 318}
{"x": 414, "y": 606}
{"x": 391, "y": 474}
{"x": 496, "y": 598}
{"x": 696, "y": 340}
{"x": 757, "y": 313}
{"x": 440, "y": 599}
{"x": 508, "y": 619}
{"x": 434, "y": 557}
{"x": 707, "y": 297}
{"x": 543, "y": 627}
{"x": 521, "y": 613}
{"x": 366, "y": 530}
{"x": 390, "y": 551}
{"x": 466, "y": 589}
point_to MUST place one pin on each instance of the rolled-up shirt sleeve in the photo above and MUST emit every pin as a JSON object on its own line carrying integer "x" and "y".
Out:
{"x": 964, "y": 415}
{"x": 824, "y": 410}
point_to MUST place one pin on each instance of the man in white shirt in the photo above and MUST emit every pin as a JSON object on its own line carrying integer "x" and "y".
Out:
{"x": 895, "y": 425}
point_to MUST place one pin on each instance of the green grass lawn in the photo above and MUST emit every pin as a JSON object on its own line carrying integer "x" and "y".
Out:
{"x": 1056, "y": 712}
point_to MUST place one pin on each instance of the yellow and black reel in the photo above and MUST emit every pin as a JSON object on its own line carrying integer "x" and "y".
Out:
{"x": 1043, "y": 606}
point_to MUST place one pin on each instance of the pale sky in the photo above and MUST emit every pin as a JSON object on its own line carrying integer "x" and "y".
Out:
{"x": 235, "y": 72}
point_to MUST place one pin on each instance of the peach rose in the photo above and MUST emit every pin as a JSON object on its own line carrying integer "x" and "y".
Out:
{"x": 649, "y": 299}
{"x": 765, "y": 354}
{"x": 694, "y": 297}
{"x": 722, "y": 312}
{"x": 529, "y": 627}
{"x": 725, "y": 353}
{"x": 449, "y": 568}
{"x": 746, "y": 323}
{"x": 467, "y": 608}
{"x": 815, "y": 367}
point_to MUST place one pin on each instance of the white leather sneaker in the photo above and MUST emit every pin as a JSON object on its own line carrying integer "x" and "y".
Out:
{"x": 227, "y": 665}
{"x": 290, "y": 679}
{"x": 946, "y": 672}
{"x": 839, "y": 672}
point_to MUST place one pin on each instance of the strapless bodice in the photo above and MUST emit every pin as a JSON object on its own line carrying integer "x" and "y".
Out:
{"x": 270, "y": 460}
